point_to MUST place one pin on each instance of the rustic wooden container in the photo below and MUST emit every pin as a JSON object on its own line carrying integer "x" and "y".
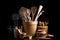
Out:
{"x": 30, "y": 27}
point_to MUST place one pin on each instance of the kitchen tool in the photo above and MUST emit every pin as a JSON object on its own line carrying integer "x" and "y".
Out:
{"x": 39, "y": 12}
{"x": 28, "y": 15}
{"x": 33, "y": 10}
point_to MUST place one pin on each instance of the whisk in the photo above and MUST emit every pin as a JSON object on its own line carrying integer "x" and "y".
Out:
{"x": 33, "y": 10}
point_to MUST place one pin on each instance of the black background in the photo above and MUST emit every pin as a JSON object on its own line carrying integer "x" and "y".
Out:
{"x": 10, "y": 7}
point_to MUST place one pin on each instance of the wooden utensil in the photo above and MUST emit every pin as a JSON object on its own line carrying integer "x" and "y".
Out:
{"x": 39, "y": 12}
{"x": 28, "y": 14}
{"x": 33, "y": 10}
{"x": 38, "y": 15}
{"x": 22, "y": 13}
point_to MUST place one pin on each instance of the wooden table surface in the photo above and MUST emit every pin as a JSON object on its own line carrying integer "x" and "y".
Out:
{"x": 40, "y": 38}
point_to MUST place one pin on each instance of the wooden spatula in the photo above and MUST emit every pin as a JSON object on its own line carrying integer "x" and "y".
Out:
{"x": 39, "y": 12}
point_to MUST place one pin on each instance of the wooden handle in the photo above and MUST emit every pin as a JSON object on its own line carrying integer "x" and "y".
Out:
{"x": 33, "y": 10}
{"x": 39, "y": 12}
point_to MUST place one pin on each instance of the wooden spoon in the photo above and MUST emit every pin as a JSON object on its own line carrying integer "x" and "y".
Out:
{"x": 28, "y": 14}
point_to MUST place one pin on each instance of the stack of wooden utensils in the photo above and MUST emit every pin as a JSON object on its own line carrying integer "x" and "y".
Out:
{"x": 25, "y": 13}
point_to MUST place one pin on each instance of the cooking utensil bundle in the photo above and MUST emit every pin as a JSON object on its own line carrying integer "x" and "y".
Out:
{"x": 25, "y": 13}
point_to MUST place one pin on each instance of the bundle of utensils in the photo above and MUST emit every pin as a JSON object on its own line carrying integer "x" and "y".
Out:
{"x": 25, "y": 13}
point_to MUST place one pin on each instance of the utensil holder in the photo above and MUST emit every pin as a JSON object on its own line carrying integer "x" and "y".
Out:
{"x": 30, "y": 27}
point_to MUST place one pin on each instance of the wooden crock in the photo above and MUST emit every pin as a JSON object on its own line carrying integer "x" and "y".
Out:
{"x": 30, "y": 27}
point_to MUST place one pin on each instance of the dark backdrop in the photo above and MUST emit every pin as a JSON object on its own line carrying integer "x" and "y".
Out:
{"x": 11, "y": 7}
